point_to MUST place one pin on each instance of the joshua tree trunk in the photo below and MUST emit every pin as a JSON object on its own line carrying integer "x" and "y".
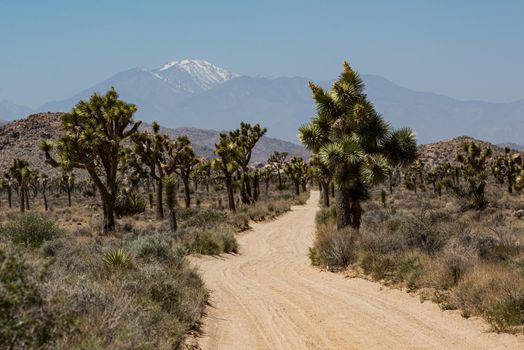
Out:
{"x": 26, "y": 195}
{"x": 187, "y": 192}
{"x": 159, "y": 200}
{"x": 343, "y": 208}
{"x": 325, "y": 193}
{"x": 44, "y": 194}
{"x": 297, "y": 188}
{"x": 173, "y": 225}
{"x": 21, "y": 198}
{"x": 255, "y": 187}
{"x": 10, "y": 197}
{"x": 356, "y": 214}
{"x": 109, "y": 214}
{"x": 230, "y": 194}
{"x": 279, "y": 180}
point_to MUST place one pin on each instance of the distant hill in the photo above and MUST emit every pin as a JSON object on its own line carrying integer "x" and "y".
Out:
{"x": 512, "y": 146}
{"x": 10, "y": 111}
{"x": 21, "y": 138}
{"x": 196, "y": 93}
{"x": 433, "y": 154}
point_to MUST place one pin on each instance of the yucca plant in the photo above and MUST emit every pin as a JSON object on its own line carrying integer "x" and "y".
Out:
{"x": 117, "y": 259}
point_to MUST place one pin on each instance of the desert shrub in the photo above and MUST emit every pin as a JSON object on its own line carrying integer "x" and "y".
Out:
{"x": 201, "y": 217}
{"x": 239, "y": 221}
{"x": 493, "y": 291}
{"x": 129, "y": 203}
{"x": 301, "y": 199}
{"x": 31, "y": 229}
{"x": 211, "y": 242}
{"x": 446, "y": 270}
{"x": 326, "y": 216}
{"x": 427, "y": 231}
{"x": 27, "y": 321}
{"x": 155, "y": 247}
{"x": 51, "y": 248}
{"x": 383, "y": 241}
{"x": 333, "y": 249}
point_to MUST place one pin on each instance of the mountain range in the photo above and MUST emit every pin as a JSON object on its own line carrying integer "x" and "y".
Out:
{"x": 198, "y": 94}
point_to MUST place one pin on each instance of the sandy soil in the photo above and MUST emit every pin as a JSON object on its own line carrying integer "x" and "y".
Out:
{"x": 269, "y": 297}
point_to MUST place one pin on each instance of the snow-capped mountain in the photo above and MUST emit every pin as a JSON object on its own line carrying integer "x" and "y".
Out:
{"x": 199, "y": 94}
{"x": 193, "y": 75}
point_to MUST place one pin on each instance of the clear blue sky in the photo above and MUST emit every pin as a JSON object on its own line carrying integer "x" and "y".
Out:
{"x": 465, "y": 49}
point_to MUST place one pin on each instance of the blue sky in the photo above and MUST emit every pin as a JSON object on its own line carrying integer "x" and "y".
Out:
{"x": 465, "y": 49}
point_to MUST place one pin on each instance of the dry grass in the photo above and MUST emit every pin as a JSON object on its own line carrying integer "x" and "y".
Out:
{"x": 131, "y": 289}
{"x": 468, "y": 260}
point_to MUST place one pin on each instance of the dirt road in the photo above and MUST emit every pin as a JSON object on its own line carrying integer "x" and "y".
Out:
{"x": 269, "y": 297}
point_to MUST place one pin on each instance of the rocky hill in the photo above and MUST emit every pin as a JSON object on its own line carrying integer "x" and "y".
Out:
{"x": 20, "y": 139}
{"x": 433, "y": 154}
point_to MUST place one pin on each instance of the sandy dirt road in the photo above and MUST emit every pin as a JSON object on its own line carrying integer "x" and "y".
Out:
{"x": 269, "y": 297}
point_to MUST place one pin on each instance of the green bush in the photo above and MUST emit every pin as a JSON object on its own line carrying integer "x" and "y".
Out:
{"x": 201, "y": 217}
{"x": 213, "y": 242}
{"x": 129, "y": 203}
{"x": 31, "y": 229}
{"x": 157, "y": 247}
{"x": 26, "y": 320}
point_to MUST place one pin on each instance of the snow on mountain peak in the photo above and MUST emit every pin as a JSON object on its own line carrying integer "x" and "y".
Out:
{"x": 194, "y": 75}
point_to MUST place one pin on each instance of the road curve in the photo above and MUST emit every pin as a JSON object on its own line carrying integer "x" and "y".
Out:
{"x": 269, "y": 297}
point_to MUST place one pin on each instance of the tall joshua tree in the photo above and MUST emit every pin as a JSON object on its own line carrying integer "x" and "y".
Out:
{"x": 150, "y": 149}
{"x": 506, "y": 168}
{"x": 227, "y": 163}
{"x": 246, "y": 137}
{"x": 21, "y": 173}
{"x": 354, "y": 142}
{"x": 182, "y": 161}
{"x": 277, "y": 161}
{"x": 94, "y": 134}
{"x": 296, "y": 170}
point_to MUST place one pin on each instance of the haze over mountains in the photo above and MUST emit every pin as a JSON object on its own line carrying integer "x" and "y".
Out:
{"x": 196, "y": 93}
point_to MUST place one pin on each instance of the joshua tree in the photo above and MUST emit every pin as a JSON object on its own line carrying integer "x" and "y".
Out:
{"x": 506, "y": 168}
{"x": 227, "y": 163}
{"x": 150, "y": 150}
{"x": 170, "y": 187}
{"x": 323, "y": 176}
{"x": 414, "y": 176}
{"x": 277, "y": 161}
{"x": 21, "y": 173}
{"x": 246, "y": 137}
{"x": 67, "y": 182}
{"x": 94, "y": 135}
{"x": 354, "y": 142}
{"x": 182, "y": 161}
{"x": 296, "y": 170}
{"x": 44, "y": 184}
{"x": 474, "y": 170}
{"x": 267, "y": 175}
{"x": 7, "y": 183}
{"x": 204, "y": 169}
